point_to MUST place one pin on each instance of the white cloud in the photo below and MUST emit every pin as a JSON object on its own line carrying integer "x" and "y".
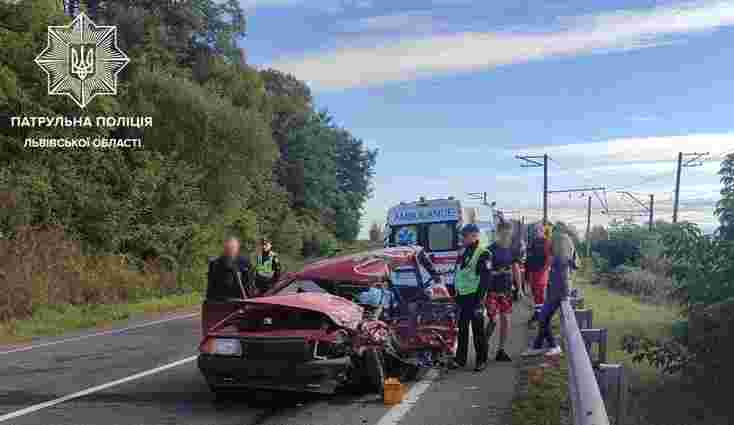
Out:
{"x": 411, "y": 21}
{"x": 331, "y": 6}
{"x": 407, "y": 59}
{"x": 638, "y": 164}
{"x": 254, "y": 4}
{"x": 639, "y": 150}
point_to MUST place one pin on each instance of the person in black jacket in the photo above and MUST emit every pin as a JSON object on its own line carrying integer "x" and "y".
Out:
{"x": 229, "y": 275}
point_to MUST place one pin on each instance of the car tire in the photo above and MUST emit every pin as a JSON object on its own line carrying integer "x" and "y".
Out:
{"x": 374, "y": 365}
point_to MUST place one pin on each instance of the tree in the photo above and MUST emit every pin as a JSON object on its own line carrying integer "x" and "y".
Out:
{"x": 232, "y": 150}
{"x": 725, "y": 206}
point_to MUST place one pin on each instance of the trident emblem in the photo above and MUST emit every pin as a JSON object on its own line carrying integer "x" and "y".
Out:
{"x": 82, "y": 60}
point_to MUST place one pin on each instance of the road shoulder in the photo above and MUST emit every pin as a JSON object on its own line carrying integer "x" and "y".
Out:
{"x": 469, "y": 398}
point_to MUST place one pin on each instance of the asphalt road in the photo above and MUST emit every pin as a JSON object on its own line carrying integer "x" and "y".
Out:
{"x": 147, "y": 375}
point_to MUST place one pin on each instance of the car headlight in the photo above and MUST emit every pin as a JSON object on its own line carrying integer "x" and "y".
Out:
{"x": 222, "y": 347}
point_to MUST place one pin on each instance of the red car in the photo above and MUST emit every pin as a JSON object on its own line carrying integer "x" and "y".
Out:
{"x": 309, "y": 333}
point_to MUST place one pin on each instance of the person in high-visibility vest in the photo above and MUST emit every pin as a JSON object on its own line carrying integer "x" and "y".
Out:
{"x": 267, "y": 266}
{"x": 471, "y": 282}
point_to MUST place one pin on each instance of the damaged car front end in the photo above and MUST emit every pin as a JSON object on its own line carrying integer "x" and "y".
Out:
{"x": 306, "y": 342}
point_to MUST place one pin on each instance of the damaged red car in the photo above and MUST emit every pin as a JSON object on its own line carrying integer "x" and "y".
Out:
{"x": 310, "y": 332}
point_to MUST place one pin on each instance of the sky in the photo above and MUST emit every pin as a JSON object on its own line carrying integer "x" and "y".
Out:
{"x": 451, "y": 91}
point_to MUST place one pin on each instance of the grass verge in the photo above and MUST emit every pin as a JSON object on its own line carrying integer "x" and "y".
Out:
{"x": 58, "y": 319}
{"x": 621, "y": 314}
{"x": 655, "y": 398}
{"x": 541, "y": 404}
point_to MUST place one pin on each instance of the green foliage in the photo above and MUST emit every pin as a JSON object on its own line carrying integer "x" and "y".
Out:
{"x": 318, "y": 242}
{"x": 668, "y": 355}
{"x": 702, "y": 267}
{"x": 630, "y": 244}
{"x": 232, "y": 150}
{"x": 725, "y": 206}
{"x": 599, "y": 263}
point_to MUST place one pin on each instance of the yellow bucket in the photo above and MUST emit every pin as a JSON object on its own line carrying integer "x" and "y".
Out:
{"x": 392, "y": 391}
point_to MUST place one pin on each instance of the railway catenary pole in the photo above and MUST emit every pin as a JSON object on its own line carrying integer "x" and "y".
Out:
{"x": 693, "y": 162}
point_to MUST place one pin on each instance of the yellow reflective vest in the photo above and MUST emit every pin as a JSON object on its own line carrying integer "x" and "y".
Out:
{"x": 467, "y": 279}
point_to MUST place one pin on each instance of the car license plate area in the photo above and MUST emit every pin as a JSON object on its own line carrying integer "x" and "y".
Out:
{"x": 277, "y": 349}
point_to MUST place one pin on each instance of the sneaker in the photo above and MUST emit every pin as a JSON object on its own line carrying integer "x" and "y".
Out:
{"x": 480, "y": 366}
{"x": 502, "y": 356}
{"x": 555, "y": 351}
{"x": 530, "y": 352}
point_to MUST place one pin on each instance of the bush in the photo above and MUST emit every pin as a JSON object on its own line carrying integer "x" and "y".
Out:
{"x": 41, "y": 266}
{"x": 638, "y": 282}
{"x": 319, "y": 243}
{"x": 710, "y": 339}
{"x": 289, "y": 238}
{"x": 657, "y": 265}
{"x": 599, "y": 263}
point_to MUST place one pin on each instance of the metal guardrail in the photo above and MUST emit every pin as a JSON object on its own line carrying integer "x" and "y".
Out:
{"x": 586, "y": 400}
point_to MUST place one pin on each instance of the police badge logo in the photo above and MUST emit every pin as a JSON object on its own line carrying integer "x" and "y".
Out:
{"x": 82, "y": 60}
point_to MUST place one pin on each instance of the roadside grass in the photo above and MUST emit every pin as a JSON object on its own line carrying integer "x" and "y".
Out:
{"x": 622, "y": 314}
{"x": 542, "y": 405}
{"x": 654, "y": 398}
{"x": 55, "y": 320}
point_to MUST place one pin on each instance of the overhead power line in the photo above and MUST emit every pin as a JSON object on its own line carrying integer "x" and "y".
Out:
{"x": 694, "y": 161}
{"x": 534, "y": 161}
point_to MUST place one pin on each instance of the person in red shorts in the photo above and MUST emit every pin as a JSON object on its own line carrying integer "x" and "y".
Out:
{"x": 538, "y": 265}
{"x": 499, "y": 298}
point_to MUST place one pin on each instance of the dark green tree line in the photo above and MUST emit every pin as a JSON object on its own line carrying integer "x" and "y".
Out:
{"x": 231, "y": 150}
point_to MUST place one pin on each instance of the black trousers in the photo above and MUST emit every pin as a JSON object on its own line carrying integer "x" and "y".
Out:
{"x": 262, "y": 283}
{"x": 471, "y": 313}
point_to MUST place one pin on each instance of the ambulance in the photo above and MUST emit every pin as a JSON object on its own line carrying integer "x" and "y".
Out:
{"x": 435, "y": 225}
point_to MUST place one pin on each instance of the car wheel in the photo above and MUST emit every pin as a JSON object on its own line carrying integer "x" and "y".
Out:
{"x": 374, "y": 370}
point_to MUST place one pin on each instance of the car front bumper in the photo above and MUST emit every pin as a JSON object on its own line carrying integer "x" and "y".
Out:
{"x": 319, "y": 376}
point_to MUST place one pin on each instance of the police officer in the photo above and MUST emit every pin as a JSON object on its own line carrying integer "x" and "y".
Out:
{"x": 228, "y": 275}
{"x": 267, "y": 266}
{"x": 471, "y": 282}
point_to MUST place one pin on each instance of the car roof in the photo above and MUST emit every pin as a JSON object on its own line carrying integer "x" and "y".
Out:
{"x": 365, "y": 267}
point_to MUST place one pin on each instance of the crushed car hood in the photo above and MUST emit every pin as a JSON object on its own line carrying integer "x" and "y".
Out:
{"x": 343, "y": 312}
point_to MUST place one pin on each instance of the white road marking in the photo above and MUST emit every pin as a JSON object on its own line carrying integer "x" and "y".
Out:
{"x": 397, "y": 412}
{"x": 110, "y": 332}
{"x": 50, "y": 403}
